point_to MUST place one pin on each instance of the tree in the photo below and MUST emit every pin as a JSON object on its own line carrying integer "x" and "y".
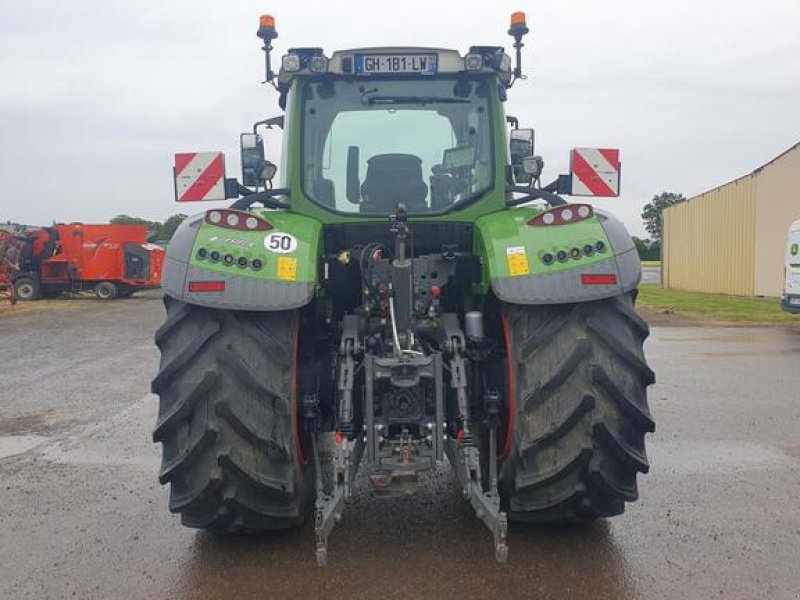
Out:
{"x": 159, "y": 232}
{"x": 170, "y": 225}
{"x": 651, "y": 213}
{"x": 647, "y": 249}
{"x": 128, "y": 220}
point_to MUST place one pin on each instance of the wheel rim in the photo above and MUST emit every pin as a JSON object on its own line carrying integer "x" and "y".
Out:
{"x": 104, "y": 292}
{"x": 25, "y": 291}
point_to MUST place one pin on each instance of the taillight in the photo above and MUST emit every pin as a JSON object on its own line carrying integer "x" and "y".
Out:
{"x": 598, "y": 279}
{"x": 561, "y": 215}
{"x": 206, "y": 286}
{"x": 237, "y": 219}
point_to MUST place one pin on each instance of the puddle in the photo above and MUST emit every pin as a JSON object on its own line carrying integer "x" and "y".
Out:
{"x": 733, "y": 353}
{"x": 17, "y": 444}
{"x": 793, "y": 451}
{"x": 703, "y": 457}
{"x": 26, "y": 424}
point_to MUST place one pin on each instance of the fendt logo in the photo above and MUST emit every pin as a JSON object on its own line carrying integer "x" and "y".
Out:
{"x": 231, "y": 242}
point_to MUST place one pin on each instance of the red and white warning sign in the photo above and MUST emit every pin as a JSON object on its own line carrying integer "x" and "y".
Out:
{"x": 199, "y": 176}
{"x": 595, "y": 172}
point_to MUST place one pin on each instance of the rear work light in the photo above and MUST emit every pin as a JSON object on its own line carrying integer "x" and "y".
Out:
{"x": 599, "y": 279}
{"x": 561, "y": 215}
{"x": 206, "y": 286}
{"x": 237, "y": 219}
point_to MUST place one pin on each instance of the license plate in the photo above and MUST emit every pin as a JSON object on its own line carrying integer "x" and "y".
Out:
{"x": 383, "y": 64}
{"x": 794, "y": 301}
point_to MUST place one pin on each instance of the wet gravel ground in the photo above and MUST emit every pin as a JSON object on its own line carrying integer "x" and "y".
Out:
{"x": 81, "y": 513}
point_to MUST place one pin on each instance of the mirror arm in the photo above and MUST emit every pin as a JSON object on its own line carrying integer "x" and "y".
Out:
{"x": 562, "y": 185}
{"x": 534, "y": 194}
{"x": 551, "y": 187}
{"x": 269, "y": 123}
{"x": 266, "y": 197}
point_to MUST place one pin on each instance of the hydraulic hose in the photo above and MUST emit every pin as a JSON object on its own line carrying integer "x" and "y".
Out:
{"x": 534, "y": 194}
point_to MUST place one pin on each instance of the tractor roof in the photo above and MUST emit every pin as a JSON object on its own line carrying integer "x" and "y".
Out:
{"x": 418, "y": 61}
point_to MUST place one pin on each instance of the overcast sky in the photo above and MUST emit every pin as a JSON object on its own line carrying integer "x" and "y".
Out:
{"x": 97, "y": 95}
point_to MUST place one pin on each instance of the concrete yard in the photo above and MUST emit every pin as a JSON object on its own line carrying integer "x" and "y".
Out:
{"x": 82, "y": 514}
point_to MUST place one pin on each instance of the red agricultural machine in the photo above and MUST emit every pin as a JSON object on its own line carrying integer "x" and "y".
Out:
{"x": 10, "y": 249}
{"x": 112, "y": 260}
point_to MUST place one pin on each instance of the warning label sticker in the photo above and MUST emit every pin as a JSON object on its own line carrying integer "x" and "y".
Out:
{"x": 517, "y": 260}
{"x": 287, "y": 268}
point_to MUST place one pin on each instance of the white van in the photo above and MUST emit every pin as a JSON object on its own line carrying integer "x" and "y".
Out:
{"x": 790, "y": 302}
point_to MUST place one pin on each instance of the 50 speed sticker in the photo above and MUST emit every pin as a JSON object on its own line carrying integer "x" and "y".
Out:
{"x": 517, "y": 260}
{"x": 280, "y": 243}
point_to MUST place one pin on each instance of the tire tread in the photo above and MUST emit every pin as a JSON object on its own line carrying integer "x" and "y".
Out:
{"x": 581, "y": 379}
{"x": 226, "y": 419}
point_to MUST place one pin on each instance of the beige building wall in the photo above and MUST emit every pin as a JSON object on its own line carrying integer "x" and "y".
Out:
{"x": 709, "y": 240}
{"x": 777, "y": 206}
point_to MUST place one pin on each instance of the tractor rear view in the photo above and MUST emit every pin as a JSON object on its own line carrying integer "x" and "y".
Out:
{"x": 408, "y": 292}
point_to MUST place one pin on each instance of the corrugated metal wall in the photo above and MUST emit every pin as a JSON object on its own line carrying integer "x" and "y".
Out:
{"x": 777, "y": 207}
{"x": 709, "y": 240}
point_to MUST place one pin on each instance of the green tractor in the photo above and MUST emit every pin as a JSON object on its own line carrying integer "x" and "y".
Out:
{"x": 410, "y": 291}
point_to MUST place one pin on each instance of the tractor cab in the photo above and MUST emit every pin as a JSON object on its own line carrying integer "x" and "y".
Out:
{"x": 368, "y": 129}
{"x": 384, "y": 126}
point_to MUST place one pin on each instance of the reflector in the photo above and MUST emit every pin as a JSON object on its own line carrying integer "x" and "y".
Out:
{"x": 206, "y": 286}
{"x": 598, "y": 279}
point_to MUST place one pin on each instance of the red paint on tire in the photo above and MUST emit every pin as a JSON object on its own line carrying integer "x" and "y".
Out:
{"x": 508, "y": 442}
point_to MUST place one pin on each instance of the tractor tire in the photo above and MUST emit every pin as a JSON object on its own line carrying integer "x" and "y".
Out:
{"x": 578, "y": 379}
{"x": 27, "y": 288}
{"x": 228, "y": 419}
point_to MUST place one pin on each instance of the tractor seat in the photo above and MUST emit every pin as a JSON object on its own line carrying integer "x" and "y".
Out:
{"x": 393, "y": 179}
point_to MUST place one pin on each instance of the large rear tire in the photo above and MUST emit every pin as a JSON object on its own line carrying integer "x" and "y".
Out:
{"x": 227, "y": 419}
{"x": 580, "y": 414}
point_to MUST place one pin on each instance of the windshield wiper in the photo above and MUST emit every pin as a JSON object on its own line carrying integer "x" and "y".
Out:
{"x": 412, "y": 100}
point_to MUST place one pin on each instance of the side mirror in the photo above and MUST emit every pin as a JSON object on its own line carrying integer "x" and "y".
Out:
{"x": 255, "y": 168}
{"x": 521, "y": 146}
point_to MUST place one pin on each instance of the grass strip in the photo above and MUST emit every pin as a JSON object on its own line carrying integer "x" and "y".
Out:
{"x": 717, "y": 307}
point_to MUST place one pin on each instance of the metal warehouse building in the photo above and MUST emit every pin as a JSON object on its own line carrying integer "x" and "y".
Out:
{"x": 732, "y": 239}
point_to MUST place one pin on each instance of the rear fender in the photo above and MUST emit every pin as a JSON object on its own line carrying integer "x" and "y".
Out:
{"x": 278, "y": 270}
{"x": 513, "y": 254}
